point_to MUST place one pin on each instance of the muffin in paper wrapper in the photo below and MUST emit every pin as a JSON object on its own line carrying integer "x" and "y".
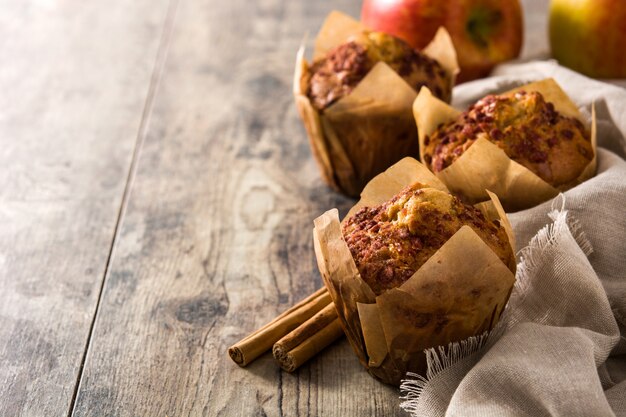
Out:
{"x": 372, "y": 127}
{"x": 459, "y": 292}
{"x": 484, "y": 166}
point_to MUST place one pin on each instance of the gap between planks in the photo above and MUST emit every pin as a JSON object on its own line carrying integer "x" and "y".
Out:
{"x": 159, "y": 65}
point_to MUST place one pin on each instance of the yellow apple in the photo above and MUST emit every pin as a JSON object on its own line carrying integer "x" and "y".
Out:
{"x": 589, "y": 36}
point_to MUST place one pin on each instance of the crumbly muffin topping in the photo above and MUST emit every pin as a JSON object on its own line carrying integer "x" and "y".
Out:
{"x": 346, "y": 65}
{"x": 391, "y": 241}
{"x": 529, "y": 130}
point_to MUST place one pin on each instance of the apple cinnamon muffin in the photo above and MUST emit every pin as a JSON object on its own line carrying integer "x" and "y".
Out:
{"x": 526, "y": 127}
{"x": 390, "y": 242}
{"x": 344, "y": 66}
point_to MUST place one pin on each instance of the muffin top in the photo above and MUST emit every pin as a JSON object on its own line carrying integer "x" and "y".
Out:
{"x": 523, "y": 124}
{"x": 390, "y": 242}
{"x": 344, "y": 66}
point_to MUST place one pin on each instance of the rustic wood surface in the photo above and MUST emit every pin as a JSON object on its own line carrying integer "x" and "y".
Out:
{"x": 73, "y": 83}
{"x": 156, "y": 203}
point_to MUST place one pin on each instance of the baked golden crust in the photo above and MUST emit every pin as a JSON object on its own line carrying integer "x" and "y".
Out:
{"x": 337, "y": 74}
{"x": 526, "y": 127}
{"x": 391, "y": 241}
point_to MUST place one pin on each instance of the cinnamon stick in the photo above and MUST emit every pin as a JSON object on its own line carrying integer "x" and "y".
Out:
{"x": 308, "y": 339}
{"x": 260, "y": 341}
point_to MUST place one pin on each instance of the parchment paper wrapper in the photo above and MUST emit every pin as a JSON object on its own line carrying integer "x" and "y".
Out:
{"x": 459, "y": 292}
{"x": 484, "y": 166}
{"x": 371, "y": 128}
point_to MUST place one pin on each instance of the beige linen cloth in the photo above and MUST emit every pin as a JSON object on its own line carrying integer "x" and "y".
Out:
{"x": 561, "y": 348}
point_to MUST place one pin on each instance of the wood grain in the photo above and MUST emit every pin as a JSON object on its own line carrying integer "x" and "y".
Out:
{"x": 73, "y": 81}
{"x": 216, "y": 239}
{"x": 215, "y": 235}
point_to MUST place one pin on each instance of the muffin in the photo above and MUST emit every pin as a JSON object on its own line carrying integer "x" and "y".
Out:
{"x": 527, "y": 127}
{"x": 391, "y": 241}
{"x": 413, "y": 268}
{"x": 344, "y": 66}
{"x": 355, "y": 100}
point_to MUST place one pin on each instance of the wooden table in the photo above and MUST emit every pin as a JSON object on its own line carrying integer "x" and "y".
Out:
{"x": 156, "y": 203}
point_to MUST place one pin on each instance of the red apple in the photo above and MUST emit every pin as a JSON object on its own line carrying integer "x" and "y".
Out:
{"x": 589, "y": 36}
{"x": 415, "y": 21}
{"x": 484, "y": 32}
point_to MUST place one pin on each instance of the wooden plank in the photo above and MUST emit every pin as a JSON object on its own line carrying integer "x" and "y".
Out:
{"x": 216, "y": 239}
{"x": 217, "y": 236}
{"x": 73, "y": 81}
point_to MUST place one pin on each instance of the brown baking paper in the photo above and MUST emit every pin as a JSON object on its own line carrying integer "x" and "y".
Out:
{"x": 484, "y": 166}
{"x": 371, "y": 128}
{"x": 459, "y": 292}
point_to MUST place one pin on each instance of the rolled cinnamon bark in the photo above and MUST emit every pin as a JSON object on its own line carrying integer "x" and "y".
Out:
{"x": 308, "y": 340}
{"x": 260, "y": 341}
